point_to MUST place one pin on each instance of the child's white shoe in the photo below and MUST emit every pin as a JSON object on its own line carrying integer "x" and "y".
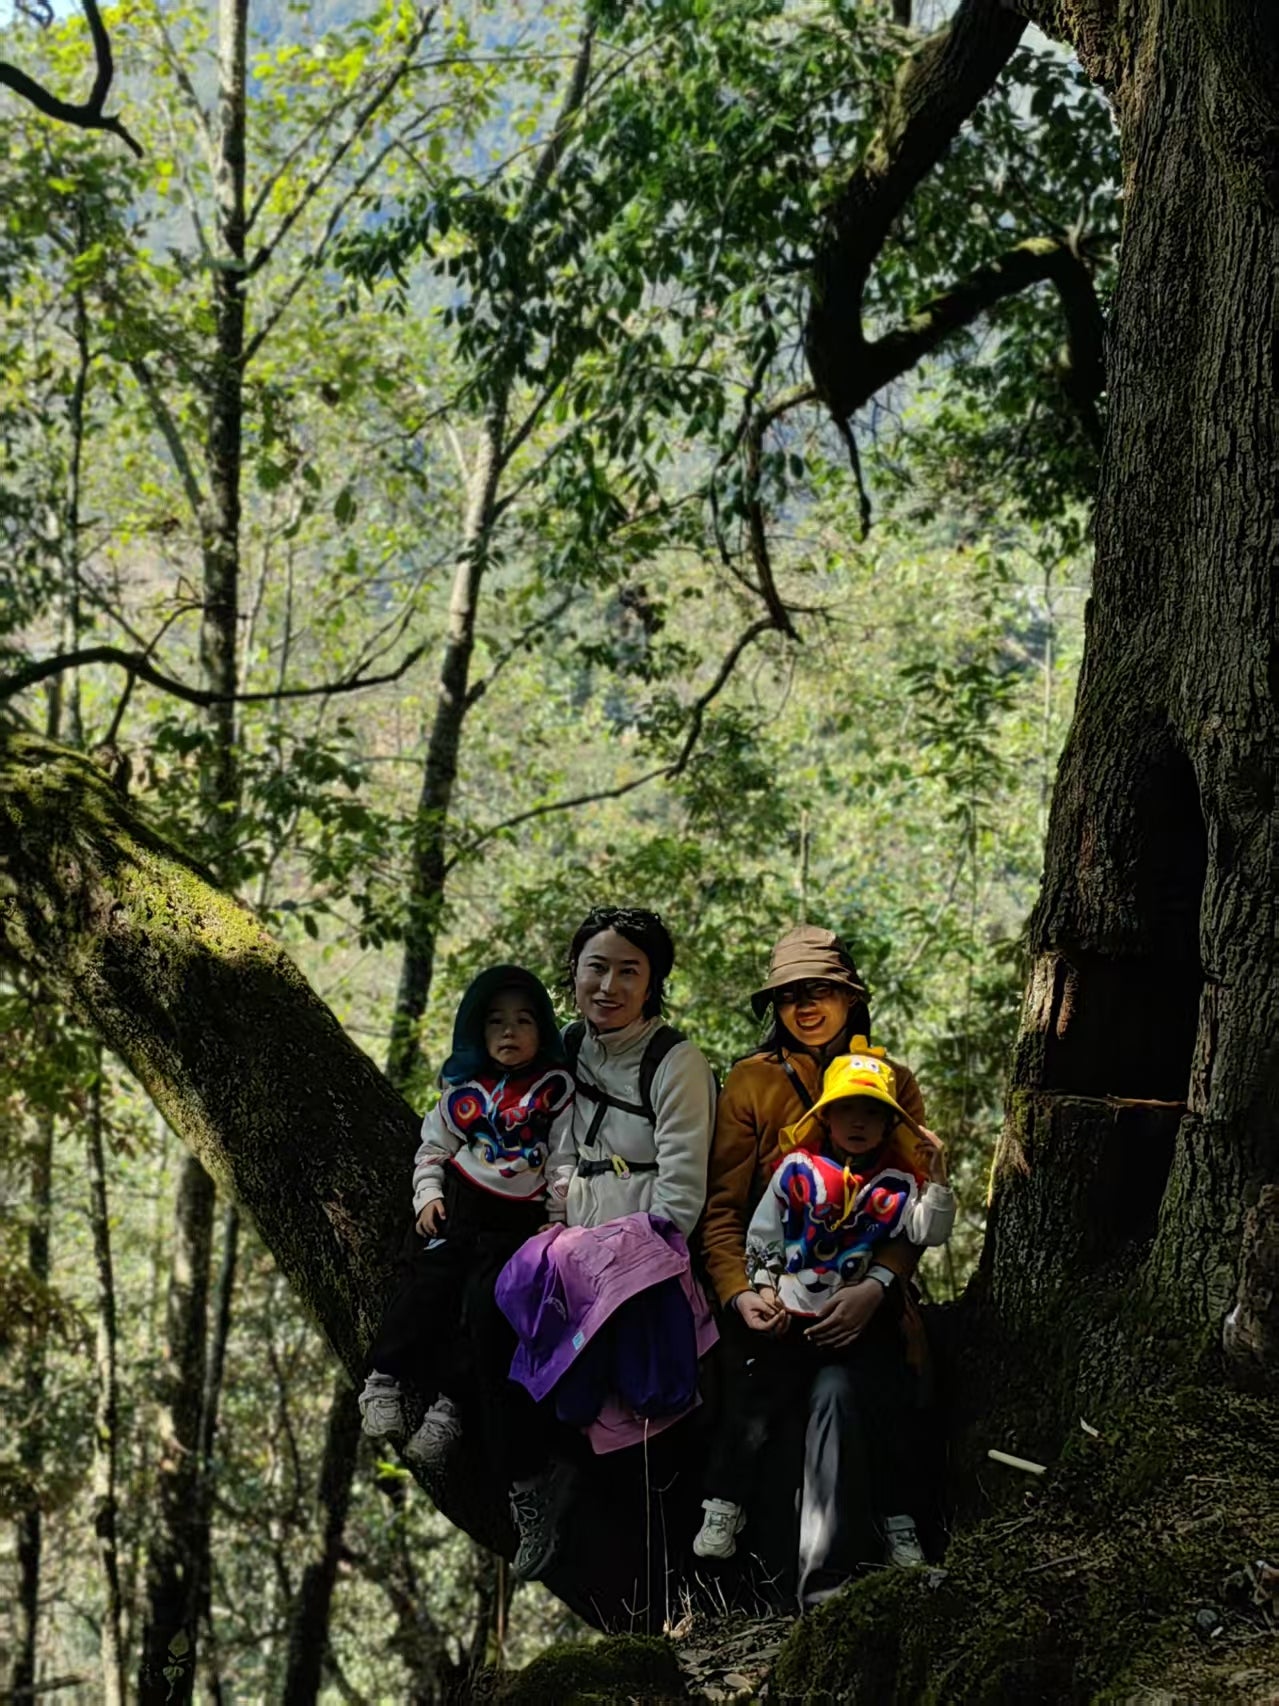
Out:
{"x": 437, "y": 1433}
{"x": 381, "y": 1412}
{"x": 723, "y": 1522}
{"x": 901, "y": 1543}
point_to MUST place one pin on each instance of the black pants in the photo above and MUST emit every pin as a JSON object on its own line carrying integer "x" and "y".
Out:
{"x": 863, "y": 1448}
{"x": 443, "y": 1331}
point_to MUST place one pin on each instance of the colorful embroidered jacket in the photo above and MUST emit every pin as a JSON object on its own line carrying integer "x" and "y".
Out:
{"x": 498, "y": 1131}
{"x": 819, "y": 1225}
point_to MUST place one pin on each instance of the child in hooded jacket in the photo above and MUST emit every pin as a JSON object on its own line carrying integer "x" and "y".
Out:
{"x": 479, "y": 1191}
{"x": 856, "y": 1172}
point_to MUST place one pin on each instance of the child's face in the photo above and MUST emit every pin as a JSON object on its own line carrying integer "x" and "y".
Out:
{"x": 510, "y": 1029}
{"x": 858, "y": 1126}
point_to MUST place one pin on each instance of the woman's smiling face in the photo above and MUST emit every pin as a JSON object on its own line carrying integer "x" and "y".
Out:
{"x": 611, "y": 981}
{"x": 813, "y": 1011}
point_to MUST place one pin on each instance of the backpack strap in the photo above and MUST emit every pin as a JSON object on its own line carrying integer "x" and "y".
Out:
{"x": 797, "y": 1084}
{"x": 572, "y": 1040}
{"x": 660, "y": 1044}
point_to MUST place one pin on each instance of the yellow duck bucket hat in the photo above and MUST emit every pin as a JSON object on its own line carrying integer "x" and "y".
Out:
{"x": 863, "y": 1071}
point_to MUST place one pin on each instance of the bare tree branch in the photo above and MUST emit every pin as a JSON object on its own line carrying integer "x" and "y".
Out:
{"x": 139, "y": 665}
{"x": 84, "y": 115}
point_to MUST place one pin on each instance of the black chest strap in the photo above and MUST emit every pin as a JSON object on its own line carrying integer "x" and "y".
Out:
{"x": 798, "y": 1085}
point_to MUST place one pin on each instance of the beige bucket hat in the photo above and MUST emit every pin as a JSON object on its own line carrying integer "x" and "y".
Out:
{"x": 804, "y": 953}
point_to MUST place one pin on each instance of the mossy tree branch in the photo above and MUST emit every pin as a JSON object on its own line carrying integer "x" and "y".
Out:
{"x": 244, "y": 1061}
{"x": 242, "y": 1058}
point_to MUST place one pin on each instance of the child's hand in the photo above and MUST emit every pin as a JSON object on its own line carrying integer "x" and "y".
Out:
{"x": 762, "y": 1311}
{"x": 936, "y": 1151}
{"x": 431, "y": 1218}
{"x": 846, "y": 1316}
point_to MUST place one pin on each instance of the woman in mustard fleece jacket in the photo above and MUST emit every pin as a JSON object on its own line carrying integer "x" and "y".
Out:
{"x": 819, "y": 1004}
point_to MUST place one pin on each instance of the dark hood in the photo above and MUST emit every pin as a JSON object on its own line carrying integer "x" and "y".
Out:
{"x": 470, "y": 1057}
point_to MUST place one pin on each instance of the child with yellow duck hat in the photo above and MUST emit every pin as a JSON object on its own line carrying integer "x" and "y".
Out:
{"x": 856, "y": 1172}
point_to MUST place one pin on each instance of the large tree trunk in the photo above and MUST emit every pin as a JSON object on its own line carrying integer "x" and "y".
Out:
{"x": 1154, "y": 975}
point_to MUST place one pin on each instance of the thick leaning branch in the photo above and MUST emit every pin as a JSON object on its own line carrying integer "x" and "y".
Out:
{"x": 84, "y": 115}
{"x": 244, "y": 1061}
{"x": 242, "y": 1058}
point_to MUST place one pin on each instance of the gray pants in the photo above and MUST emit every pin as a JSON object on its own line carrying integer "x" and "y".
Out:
{"x": 863, "y": 1459}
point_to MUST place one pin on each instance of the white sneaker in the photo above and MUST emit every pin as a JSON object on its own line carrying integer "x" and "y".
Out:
{"x": 437, "y": 1434}
{"x": 901, "y": 1543}
{"x": 381, "y": 1412}
{"x": 723, "y": 1522}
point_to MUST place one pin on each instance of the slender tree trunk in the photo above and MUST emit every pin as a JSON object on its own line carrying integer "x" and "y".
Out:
{"x": 210, "y": 1407}
{"x": 309, "y": 1620}
{"x": 219, "y": 630}
{"x": 439, "y": 774}
{"x": 1154, "y": 975}
{"x": 30, "y": 1523}
{"x": 453, "y": 700}
{"x": 107, "y": 1405}
{"x": 168, "y": 1656}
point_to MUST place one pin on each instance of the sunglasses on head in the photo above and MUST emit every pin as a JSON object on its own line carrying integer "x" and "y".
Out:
{"x": 813, "y": 989}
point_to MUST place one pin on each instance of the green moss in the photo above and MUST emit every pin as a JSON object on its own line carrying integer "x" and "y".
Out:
{"x": 623, "y": 1668}
{"x": 1089, "y": 1591}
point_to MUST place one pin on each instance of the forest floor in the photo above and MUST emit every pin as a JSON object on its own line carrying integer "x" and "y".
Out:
{"x": 1141, "y": 1570}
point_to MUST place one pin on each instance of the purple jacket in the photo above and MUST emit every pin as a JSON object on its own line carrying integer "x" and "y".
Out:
{"x": 560, "y": 1288}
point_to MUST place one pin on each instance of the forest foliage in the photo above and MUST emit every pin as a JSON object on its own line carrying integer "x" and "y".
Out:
{"x": 525, "y": 297}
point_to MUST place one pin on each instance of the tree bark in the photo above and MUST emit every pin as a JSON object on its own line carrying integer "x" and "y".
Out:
{"x": 1153, "y": 975}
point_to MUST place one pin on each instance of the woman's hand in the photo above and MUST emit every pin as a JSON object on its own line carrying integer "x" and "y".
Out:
{"x": 847, "y": 1315}
{"x": 431, "y": 1218}
{"x": 762, "y": 1311}
{"x": 936, "y": 1151}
